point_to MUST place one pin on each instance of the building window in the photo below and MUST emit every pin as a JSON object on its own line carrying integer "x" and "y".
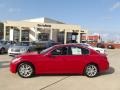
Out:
{"x": 25, "y": 35}
{"x": 1, "y": 30}
{"x": 8, "y": 33}
{"x": 72, "y": 37}
{"x": 16, "y": 35}
{"x": 43, "y": 36}
{"x": 60, "y": 37}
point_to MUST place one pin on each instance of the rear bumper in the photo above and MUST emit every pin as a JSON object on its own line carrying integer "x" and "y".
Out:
{"x": 104, "y": 66}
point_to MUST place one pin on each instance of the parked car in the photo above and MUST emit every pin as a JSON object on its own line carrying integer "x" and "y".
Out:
{"x": 21, "y": 47}
{"x": 3, "y": 49}
{"x": 60, "y": 59}
{"x": 4, "y": 45}
{"x": 101, "y": 45}
{"x": 110, "y": 46}
{"x": 45, "y": 44}
{"x": 101, "y": 50}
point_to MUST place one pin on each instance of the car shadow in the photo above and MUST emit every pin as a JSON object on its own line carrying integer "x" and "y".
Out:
{"x": 53, "y": 75}
{"x": 111, "y": 70}
{"x": 4, "y": 64}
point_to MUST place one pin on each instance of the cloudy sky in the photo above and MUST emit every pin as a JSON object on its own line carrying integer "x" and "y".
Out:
{"x": 98, "y": 16}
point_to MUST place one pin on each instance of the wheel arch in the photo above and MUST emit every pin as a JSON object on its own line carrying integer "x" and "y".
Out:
{"x": 28, "y": 63}
{"x": 2, "y": 48}
{"x": 92, "y": 63}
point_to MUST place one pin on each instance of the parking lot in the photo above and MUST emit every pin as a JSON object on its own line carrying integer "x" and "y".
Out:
{"x": 108, "y": 80}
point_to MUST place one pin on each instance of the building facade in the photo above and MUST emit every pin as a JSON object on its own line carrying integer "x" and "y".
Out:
{"x": 91, "y": 38}
{"x": 40, "y": 29}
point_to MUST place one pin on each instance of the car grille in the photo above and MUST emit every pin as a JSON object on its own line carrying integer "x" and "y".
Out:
{"x": 15, "y": 50}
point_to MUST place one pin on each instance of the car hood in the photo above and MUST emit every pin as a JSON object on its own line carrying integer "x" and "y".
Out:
{"x": 19, "y": 47}
{"x": 28, "y": 54}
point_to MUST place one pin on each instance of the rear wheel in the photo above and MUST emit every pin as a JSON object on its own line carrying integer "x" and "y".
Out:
{"x": 91, "y": 70}
{"x": 110, "y": 47}
{"x": 28, "y": 50}
{"x": 2, "y": 51}
{"x": 25, "y": 70}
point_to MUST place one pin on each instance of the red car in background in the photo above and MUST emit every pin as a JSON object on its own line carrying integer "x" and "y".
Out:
{"x": 60, "y": 59}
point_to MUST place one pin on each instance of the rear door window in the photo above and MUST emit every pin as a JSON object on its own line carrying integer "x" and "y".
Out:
{"x": 73, "y": 50}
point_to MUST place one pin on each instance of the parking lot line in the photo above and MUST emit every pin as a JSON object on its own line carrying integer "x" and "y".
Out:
{"x": 55, "y": 82}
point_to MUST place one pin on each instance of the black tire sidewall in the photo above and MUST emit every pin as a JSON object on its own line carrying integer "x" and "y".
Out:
{"x": 2, "y": 51}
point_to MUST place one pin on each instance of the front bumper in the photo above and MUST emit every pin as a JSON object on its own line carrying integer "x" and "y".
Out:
{"x": 15, "y": 53}
{"x": 13, "y": 68}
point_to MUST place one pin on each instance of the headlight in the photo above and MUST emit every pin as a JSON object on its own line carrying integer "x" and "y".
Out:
{"x": 9, "y": 49}
{"x": 16, "y": 59}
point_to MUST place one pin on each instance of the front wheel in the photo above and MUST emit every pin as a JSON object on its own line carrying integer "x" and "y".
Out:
{"x": 25, "y": 70}
{"x": 91, "y": 70}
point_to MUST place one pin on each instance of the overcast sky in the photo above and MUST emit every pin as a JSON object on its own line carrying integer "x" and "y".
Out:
{"x": 98, "y": 16}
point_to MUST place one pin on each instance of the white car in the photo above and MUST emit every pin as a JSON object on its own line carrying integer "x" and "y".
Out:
{"x": 21, "y": 48}
{"x": 100, "y": 50}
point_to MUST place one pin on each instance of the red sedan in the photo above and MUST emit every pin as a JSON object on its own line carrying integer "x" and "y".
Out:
{"x": 60, "y": 59}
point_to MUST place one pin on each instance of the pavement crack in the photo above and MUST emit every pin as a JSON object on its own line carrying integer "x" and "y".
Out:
{"x": 54, "y": 83}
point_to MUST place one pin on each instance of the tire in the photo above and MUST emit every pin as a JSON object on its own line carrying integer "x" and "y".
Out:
{"x": 25, "y": 70}
{"x": 91, "y": 70}
{"x": 28, "y": 50}
{"x": 2, "y": 51}
{"x": 110, "y": 47}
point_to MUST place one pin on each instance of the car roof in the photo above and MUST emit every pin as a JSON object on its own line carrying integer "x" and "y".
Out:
{"x": 70, "y": 44}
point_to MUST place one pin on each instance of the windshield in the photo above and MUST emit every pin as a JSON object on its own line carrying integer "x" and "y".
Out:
{"x": 22, "y": 44}
{"x": 3, "y": 42}
{"x": 46, "y": 50}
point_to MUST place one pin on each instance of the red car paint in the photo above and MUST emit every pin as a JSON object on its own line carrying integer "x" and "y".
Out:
{"x": 46, "y": 63}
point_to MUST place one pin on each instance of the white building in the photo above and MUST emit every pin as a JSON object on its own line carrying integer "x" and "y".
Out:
{"x": 40, "y": 29}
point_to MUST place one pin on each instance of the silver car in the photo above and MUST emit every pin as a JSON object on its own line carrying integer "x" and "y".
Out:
{"x": 21, "y": 47}
{"x": 4, "y": 45}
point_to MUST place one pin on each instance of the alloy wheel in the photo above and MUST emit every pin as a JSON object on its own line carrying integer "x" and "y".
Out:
{"x": 25, "y": 70}
{"x": 91, "y": 70}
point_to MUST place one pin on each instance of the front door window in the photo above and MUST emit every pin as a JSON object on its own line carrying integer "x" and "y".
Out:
{"x": 60, "y": 51}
